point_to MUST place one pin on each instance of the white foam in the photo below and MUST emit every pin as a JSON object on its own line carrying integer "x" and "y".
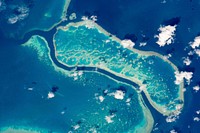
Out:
{"x": 166, "y": 35}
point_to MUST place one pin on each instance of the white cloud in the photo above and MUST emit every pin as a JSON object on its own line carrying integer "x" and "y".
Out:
{"x": 172, "y": 118}
{"x": 109, "y": 118}
{"x": 90, "y": 24}
{"x": 197, "y": 51}
{"x": 85, "y": 18}
{"x": 101, "y": 98}
{"x": 180, "y": 76}
{"x": 187, "y": 61}
{"x": 51, "y": 95}
{"x": 93, "y": 18}
{"x": 196, "y": 42}
{"x": 166, "y": 35}
{"x": 62, "y": 112}
{"x": 191, "y": 53}
{"x": 143, "y": 44}
{"x": 128, "y": 101}
{"x": 30, "y": 88}
{"x": 167, "y": 56}
{"x": 13, "y": 19}
{"x": 92, "y": 130}
{"x": 127, "y": 43}
{"x": 24, "y": 12}
{"x": 175, "y": 115}
{"x": 80, "y": 73}
{"x": 195, "y": 45}
{"x": 76, "y": 74}
{"x": 76, "y": 127}
{"x": 118, "y": 94}
{"x": 198, "y": 112}
{"x": 196, "y": 119}
{"x": 173, "y": 131}
{"x": 196, "y": 88}
{"x": 107, "y": 41}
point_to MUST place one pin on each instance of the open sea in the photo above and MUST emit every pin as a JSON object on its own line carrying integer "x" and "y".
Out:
{"x": 25, "y": 81}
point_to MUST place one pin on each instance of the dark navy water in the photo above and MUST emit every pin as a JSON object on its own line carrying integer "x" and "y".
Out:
{"x": 121, "y": 18}
{"x": 21, "y": 16}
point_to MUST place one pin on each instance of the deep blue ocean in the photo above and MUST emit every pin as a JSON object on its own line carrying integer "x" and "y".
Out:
{"x": 20, "y": 68}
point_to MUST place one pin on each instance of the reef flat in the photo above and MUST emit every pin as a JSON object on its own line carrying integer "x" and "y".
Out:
{"x": 87, "y": 44}
{"x": 117, "y": 108}
{"x": 39, "y": 45}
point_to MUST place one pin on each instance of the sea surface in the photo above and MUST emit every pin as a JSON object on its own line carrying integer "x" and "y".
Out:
{"x": 25, "y": 80}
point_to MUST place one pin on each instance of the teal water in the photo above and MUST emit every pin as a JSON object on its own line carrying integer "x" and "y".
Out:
{"x": 80, "y": 46}
{"x": 76, "y": 101}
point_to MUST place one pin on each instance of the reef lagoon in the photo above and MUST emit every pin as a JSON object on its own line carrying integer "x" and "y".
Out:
{"x": 87, "y": 44}
{"x": 99, "y": 66}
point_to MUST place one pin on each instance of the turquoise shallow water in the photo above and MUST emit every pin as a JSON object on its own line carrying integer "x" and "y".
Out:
{"x": 76, "y": 102}
{"x": 82, "y": 46}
